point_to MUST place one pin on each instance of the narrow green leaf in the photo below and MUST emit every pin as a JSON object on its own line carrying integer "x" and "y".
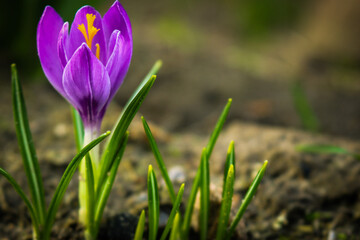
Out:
{"x": 140, "y": 227}
{"x": 327, "y": 149}
{"x": 78, "y": 128}
{"x": 190, "y": 206}
{"x": 175, "y": 232}
{"x": 218, "y": 127}
{"x": 226, "y": 204}
{"x": 194, "y": 188}
{"x": 246, "y": 201}
{"x": 174, "y": 211}
{"x": 90, "y": 192}
{"x": 104, "y": 192}
{"x": 204, "y": 196}
{"x": 27, "y": 148}
{"x": 159, "y": 160}
{"x": 303, "y": 108}
{"x": 27, "y": 202}
{"x": 64, "y": 182}
{"x": 154, "y": 204}
{"x": 230, "y": 160}
{"x": 112, "y": 148}
{"x": 153, "y": 71}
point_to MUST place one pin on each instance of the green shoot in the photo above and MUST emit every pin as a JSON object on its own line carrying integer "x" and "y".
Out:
{"x": 191, "y": 201}
{"x": 246, "y": 201}
{"x": 174, "y": 210}
{"x": 204, "y": 195}
{"x": 175, "y": 232}
{"x": 27, "y": 148}
{"x": 140, "y": 227}
{"x": 226, "y": 203}
{"x": 154, "y": 204}
{"x": 159, "y": 160}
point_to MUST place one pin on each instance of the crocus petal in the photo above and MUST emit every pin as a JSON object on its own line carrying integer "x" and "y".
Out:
{"x": 119, "y": 61}
{"x": 87, "y": 85}
{"x": 62, "y": 44}
{"x": 116, "y": 18}
{"x": 77, "y": 38}
{"x": 47, "y": 36}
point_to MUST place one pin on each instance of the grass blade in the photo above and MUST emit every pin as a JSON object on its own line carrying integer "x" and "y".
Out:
{"x": 230, "y": 160}
{"x": 248, "y": 197}
{"x": 104, "y": 192}
{"x": 78, "y": 128}
{"x": 185, "y": 228}
{"x": 173, "y": 212}
{"x": 140, "y": 227}
{"x": 159, "y": 160}
{"x": 64, "y": 182}
{"x": 327, "y": 149}
{"x": 226, "y": 203}
{"x": 154, "y": 204}
{"x": 218, "y": 127}
{"x": 176, "y": 227}
{"x": 28, "y": 204}
{"x": 204, "y": 195}
{"x": 27, "y": 148}
{"x": 90, "y": 193}
{"x": 194, "y": 188}
{"x": 112, "y": 148}
{"x": 153, "y": 71}
{"x": 303, "y": 108}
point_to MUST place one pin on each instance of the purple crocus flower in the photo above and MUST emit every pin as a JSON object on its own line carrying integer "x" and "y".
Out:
{"x": 88, "y": 64}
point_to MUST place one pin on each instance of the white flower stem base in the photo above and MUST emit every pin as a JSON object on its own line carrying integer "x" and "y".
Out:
{"x": 84, "y": 219}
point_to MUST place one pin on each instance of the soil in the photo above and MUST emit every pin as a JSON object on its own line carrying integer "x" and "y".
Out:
{"x": 302, "y": 196}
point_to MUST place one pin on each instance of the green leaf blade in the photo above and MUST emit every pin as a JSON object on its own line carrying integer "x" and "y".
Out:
{"x": 226, "y": 204}
{"x": 175, "y": 232}
{"x": 140, "y": 227}
{"x": 153, "y": 71}
{"x": 230, "y": 160}
{"x": 104, "y": 192}
{"x": 159, "y": 160}
{"x": 185, "y": 228}
{"x": 247, "y": 199}
{"x": 204, "y": 195}
{"x": 173, "y": 212}
{"x": 121, "y": 127}
{"x": 27, "y": 202}
{"x": 154, "y": 204}
{"x": 307, "y": 115}
{"x": 218, "y": 127}
{"x": 321, "y": 149}
{"x": 78, "y": 128}
{"x": 90, "y": 192}
{"x": 27, "y": 148}
{"x": 64, "y": 182}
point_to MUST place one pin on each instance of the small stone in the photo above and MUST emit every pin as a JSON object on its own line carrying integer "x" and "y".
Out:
{"x": 177, "y": 174}
{"x": 60, "y": 130}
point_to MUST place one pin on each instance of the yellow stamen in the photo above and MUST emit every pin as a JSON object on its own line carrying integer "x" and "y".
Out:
{"x": 91, "y": 30}
{"x": 97, "y": 51}
{"x": 83, "y": 31}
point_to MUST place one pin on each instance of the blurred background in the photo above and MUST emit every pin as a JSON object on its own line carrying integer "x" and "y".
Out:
{"x": 285, "y": 63}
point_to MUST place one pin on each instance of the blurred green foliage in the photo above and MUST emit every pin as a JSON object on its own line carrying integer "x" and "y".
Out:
{"x": 259, "y": 18}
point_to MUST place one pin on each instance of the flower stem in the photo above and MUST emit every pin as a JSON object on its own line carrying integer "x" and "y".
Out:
{"x": 84, "y": 200}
